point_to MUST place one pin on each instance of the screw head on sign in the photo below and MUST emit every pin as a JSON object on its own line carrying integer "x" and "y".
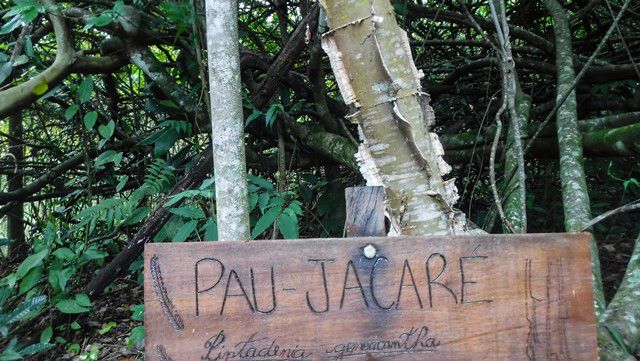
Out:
{"x": 369, "y": 251}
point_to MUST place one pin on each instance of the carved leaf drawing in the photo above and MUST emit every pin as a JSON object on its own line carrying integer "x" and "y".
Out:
{"x": 163, "y": 297}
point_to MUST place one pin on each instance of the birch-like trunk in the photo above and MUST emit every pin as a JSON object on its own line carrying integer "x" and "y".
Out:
{"x": 227, "y": 121}
{"x": 372, "y": 62}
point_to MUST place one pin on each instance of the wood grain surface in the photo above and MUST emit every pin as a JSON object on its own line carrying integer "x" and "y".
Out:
{"x": 525, "y": 297}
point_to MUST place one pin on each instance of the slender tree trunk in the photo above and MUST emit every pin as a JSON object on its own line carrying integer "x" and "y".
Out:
{"x": 227, "y": 121}
{"x": 517, "y": 107}
{"x": 575, "y": 198}
{"x": 281, "y": 10}
{"x": 372, "y": 62}
{"x": 15, "y": 216}
{"x": 513, "y": 197}
{"x": 623, "y": 312}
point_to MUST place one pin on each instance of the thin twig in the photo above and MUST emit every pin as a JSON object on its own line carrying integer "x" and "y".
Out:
{"x": 624, "y": 42}
{"x": 626, "y": 208}
{"x": 492, "y": 168}
{"x": 580, "y": 75}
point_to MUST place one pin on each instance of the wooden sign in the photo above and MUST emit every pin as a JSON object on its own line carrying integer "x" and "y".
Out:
{"x": 526, "y": 297}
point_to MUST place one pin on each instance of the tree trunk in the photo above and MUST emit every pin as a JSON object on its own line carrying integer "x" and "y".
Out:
{"x": 514, "y": 216}
{"x": 372, "y": 62}
{"x": 513, "y": 199}
{"x": 623, "y": 312}
{"x": 15, "y": 215}
{"x": 575, "y": 198}
{"x": 227, "y": 121}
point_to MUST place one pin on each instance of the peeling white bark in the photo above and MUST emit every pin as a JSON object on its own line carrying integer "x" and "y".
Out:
{"x": 372, "y": 62}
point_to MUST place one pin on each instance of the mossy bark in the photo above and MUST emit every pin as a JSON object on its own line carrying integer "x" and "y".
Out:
{"x": 18, "y": 96}
{"x": 512, "y": 202}
{"x": 623, "y": 312}
{"x": 575, "y": 198}
{"x": 623, "y": 141}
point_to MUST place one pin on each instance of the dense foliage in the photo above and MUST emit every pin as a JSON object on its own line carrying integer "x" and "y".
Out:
{"x": 105, "y": 119}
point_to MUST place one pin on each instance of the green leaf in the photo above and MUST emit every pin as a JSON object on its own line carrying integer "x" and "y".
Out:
{"x": 71, "y": 306}
{"x": 138, "y": 312}
{"x": 288, "y": 225}
{"x": 41, "y": 88}
{"x": 71, "y": 112}
{"x": 123, "y": 182}
{"x": 11, "y": 25}
{"x": 5, "y": 292}
{"x": 90, "y": 119}
{"x": 36, "y": 348}
{"x": 10, "y": 355}
{"x": 188, "y": 212}
{"x": 207, "y": 184}
{"x": 74, "y": 348}
{"x": 263, "y": 201}
{"x": 85, "y": 90}
{"x": 165, "y": 141}
{"x": 28, "y": 47}
{"x": 136, "y": 339}
{"x": 90, "y": 254}
{"x": 106, "y": 131}
{"x": 185, "y": 231}
{"x": 26, "y": 309}
{"x": 22, "y": 59}
{"x": 98, "y": 21}
{"x": 59, "y": 278}
{"x": 46, "y": 335}
{"x": 295, "y": 208}
{"x": 253, "y": 200}
{"x": 261, "y": 182}
{"x": 631, "y": 181}
{"x": 211, "y": 230}
{"x": 265, "y": 221}
{"x": 107, "y": 327}
{"x": 30, "y": 262}
{"x": 256, "y": 114}
{"x": 30, "y": 279}
{"x": 64, "y": 253}
{"x": 272, "y": 113}
{"x": 180, "y": 196}
{"x": 5, "y": 70}
{"x": 108, "y": 156}
{"x": 138, "y": 215}
{"x": 168, "y": 104}
{"x": 83, "y": 300}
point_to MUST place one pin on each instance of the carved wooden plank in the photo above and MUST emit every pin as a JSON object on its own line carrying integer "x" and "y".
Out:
{"x": 525, "y": 297}
{"x": 365, "y": 211}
